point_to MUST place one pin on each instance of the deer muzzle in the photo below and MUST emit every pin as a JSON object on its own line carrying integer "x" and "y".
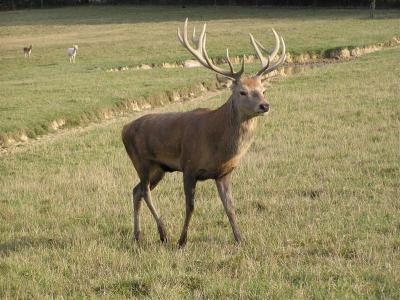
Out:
{"x": 263, "y": 108}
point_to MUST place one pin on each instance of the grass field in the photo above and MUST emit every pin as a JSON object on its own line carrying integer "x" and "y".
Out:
{"x": 34, "y": 93}
{"x": 317, "y": 195}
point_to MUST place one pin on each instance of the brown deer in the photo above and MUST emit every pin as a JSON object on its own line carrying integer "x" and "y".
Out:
{"x": 27, "y": 51}
{"x": 203, "y": 143}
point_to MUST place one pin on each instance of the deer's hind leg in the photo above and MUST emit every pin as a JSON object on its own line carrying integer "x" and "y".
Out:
{"x": 142, "y": 191}
{"x": 137, "y": 203}
{"x": 149, "y": 182}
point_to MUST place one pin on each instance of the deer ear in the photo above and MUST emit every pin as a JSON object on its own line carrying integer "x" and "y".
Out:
{"x": 263, "y": 79}
{"x": 266, "y": 83}
{"x": 224, "y": 81}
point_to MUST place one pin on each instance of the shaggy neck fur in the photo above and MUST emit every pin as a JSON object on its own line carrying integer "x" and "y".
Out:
{"x": 239, "y": 130}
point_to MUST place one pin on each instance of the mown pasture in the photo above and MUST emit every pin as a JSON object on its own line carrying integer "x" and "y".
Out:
{"x": 317, "y": 201}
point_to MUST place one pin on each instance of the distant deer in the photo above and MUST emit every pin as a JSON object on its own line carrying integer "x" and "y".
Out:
{"x": 72, "y": 53}
{"x": 203, "y": 143}
{"x": 27, "y": 51}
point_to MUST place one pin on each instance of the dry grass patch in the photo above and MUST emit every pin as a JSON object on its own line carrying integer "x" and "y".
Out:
{"x": 317, "y": 199}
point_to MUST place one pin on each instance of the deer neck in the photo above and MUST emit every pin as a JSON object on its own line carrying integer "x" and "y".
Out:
{"x": 239, "y": 129}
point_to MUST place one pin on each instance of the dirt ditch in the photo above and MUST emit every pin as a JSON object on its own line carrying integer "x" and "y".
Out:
{"x": 308, "y": 57}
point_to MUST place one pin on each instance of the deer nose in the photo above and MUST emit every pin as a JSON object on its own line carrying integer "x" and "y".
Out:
{"x": 264, "y": 107}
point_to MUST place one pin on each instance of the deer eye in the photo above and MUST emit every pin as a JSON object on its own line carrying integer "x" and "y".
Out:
{"x": 243, "y": 93}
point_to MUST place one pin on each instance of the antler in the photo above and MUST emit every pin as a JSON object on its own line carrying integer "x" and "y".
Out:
{"x": 265, "y": 62}
{"x": 200, "y": 52}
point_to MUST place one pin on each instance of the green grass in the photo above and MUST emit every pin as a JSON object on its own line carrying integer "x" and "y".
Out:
{"x": 46, "y": 88}
{"x": 317, "y": 200}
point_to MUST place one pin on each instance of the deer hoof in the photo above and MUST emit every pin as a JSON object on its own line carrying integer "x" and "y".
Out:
{"x": 182, "y": 243}
{"x": 137, "y": 236}
{"x": 162, "y": 232}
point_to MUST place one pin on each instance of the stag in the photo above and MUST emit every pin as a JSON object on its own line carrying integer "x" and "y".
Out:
{"x": 202, "y": 144}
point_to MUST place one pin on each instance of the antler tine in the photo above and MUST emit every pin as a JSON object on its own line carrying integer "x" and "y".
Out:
{"x": 198, "y": 41}
{"x": 275, "y": 51}
{"x": 232, "y": 75}
{"x": 265, "y": 62}
{"x": 194, "y": 35}
{"x": 197, "y": 53}
{"x": 257, "y": 45}
{"x": 229, "y": 60}
{"x": 261, "y": 46}
{"x": 277, "y": 64}
{"x": 201, "y": 55}
{"x": 263, "y": 69}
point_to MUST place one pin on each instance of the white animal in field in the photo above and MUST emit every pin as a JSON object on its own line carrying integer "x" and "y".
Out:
{"x": 27, "y": 51}
{"x": 72, "y": 53}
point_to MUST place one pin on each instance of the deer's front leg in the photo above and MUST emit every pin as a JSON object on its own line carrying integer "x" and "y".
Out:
{"x": 225, "y": 192}
{"x": 189, "y": 186}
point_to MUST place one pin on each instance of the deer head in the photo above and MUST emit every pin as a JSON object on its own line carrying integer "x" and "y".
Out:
{"x": 248, "y": 92}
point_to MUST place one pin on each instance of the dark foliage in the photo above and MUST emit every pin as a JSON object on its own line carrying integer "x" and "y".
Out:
{"x": 14, "y": 4}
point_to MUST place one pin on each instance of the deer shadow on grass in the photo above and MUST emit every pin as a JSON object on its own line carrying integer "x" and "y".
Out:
{"x": 122, "y": 238}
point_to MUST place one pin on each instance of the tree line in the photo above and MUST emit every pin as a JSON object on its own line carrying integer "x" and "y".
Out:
{"x": 17, "y": 4}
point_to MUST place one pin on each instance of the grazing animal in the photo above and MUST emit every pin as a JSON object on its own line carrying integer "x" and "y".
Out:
{"x": 203, "y": 143}
{"x": 27, "y": 51}
{"x": 72, "y": 53}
